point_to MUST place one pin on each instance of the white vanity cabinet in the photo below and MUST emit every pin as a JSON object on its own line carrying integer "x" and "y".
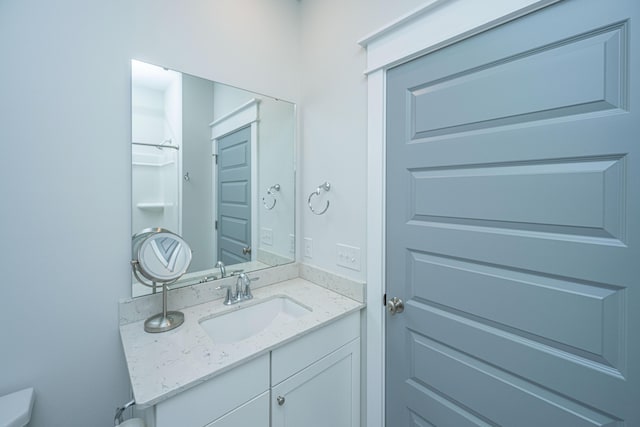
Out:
{"x": 311, "y": 381}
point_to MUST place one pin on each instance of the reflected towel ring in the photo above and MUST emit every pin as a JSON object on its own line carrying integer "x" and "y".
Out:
{"x": 271, "y": 192}
{"x": 326, "y": 187}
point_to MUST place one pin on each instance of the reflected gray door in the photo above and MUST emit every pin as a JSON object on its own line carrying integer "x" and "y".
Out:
{"x": 234, "y": 197}
{"x": 513, "y": 225}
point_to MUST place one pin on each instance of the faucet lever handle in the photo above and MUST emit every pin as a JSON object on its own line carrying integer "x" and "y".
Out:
{"x": 228, "y": 299}
{"x": 247, "y": 287}
{"x": 247, "y": 291}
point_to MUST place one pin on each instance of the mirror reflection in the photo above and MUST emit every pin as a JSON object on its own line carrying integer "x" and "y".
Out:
{"x": 215, "y": 165}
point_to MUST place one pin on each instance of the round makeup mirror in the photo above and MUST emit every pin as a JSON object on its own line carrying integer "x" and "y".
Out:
{"x": 161, "y": 257}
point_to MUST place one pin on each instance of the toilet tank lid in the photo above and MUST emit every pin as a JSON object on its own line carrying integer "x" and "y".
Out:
{"x": 15, "y": 408}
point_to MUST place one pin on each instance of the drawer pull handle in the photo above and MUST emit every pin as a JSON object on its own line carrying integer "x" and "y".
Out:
{"x": 280, "y": 400}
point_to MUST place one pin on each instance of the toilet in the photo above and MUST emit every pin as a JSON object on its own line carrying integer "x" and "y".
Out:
{"x": 15, "y": 408}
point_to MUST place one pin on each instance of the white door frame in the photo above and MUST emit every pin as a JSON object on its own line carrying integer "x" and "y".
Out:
{"x": 436, "y": 24}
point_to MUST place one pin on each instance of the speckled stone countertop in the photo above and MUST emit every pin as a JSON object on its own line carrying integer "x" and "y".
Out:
{"x": 163, "y": 365}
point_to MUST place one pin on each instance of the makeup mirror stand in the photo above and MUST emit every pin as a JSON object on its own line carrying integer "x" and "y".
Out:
{"x": 161, "y": 257}
{"x": 166, "y": 320}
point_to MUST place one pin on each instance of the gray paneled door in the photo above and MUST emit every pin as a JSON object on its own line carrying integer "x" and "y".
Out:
{"x": 234, "y": 197}
{"x": 513, "y": 225}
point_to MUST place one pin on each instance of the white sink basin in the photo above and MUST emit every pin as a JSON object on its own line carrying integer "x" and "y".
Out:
{"x": 250, "y": 320}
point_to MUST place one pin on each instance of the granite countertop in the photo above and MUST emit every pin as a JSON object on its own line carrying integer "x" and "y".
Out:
{"x": 165, "y": 364}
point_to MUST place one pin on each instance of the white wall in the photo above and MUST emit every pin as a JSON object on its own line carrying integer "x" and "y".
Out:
{"x": 334, "y": 120}
{"x": 275, "y": 151}
{"x": 251, "y": 44}
{"x": 197, "y": 207}
{"x": 228, "y": 99}
{"x": 171, "y": 173}
{"x": 65, "y": 172}
{"x": 147, "y": 107}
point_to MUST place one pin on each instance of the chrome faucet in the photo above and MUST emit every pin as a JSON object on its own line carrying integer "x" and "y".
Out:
{"x": 243, "y": 286}
{"x": 223, "y": 272}
{"x": 242, "y": 290}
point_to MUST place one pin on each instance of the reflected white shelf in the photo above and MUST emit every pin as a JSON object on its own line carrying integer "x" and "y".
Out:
{"x": 157, "y": 165}
{"x": 153, "y": 206}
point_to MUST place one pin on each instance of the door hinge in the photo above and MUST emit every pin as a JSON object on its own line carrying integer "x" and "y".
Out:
{"x": 384, "y": 299}
{"x": 216, "y": 224}
{"x": 215, "y": 156}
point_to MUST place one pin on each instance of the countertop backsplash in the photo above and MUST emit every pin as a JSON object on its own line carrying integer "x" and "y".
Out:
{"x": 135, "y": 309}
{"x": 342, "y": 285}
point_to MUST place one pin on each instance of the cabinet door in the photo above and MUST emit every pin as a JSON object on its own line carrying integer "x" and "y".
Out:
{"x": 254, "y": 413}
{"x": 327, "y": 393}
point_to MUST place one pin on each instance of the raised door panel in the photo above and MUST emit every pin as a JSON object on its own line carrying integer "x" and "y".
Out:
{"x": 326, "y": 393}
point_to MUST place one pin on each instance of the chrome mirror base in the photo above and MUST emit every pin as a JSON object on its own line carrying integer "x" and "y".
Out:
{"x": 162, "y": 323}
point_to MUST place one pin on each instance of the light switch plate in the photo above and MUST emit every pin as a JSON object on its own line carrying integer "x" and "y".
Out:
{"x": 348, "y": 256}
{"x": 266, "y": 236}
{"x": 308, "y": 247}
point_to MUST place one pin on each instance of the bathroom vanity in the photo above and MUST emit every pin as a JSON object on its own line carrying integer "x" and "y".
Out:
{"x": 301, "y": 369}
{"x": 314, "y": 379}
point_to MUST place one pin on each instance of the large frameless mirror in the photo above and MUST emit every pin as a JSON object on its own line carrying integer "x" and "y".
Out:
{"x": 215, "y": 165}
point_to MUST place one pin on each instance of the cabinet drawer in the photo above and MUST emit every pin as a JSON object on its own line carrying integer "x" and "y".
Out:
{"x": 212, "y": 399}
{"x": 299, "y": 354}
{"x": 254, "y": 413}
